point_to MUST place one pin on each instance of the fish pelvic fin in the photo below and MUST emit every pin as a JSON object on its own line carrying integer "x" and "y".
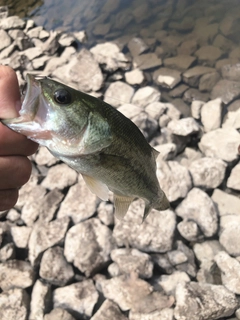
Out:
{"x": 96, "y": 187}
{"x": 121, "y": 205}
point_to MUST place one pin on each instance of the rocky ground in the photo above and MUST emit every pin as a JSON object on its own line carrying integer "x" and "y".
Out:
{"x": 63, "y": 254}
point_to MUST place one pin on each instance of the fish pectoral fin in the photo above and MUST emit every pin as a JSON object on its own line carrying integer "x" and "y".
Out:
{"x": 96, "y": 187}
{"x": 146, "y": 211}
{"x": 121, "y": 205}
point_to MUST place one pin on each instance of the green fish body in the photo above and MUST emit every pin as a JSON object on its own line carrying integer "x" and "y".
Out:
{"x": 93, "y": 138}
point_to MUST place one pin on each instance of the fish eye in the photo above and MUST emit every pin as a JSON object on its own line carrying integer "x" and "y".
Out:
{"x": 62, "y": 96}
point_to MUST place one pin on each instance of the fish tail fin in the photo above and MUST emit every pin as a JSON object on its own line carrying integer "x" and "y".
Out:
{"x": 161, "y": 204}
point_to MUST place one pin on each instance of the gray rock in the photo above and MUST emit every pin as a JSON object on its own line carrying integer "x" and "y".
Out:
{"x": 170, "y": 282}
{"x": 228, "y": 25}
{"x": 45, "y": 235}
{"x": 40, "y": 300}
{"x": 7, "y": 52}
{"x": 50, "y": 204}
{"x": 180, "y": 62}
{"x": 189, "y": 230}
{"x": 34, "y": 32}
{"x": 75, "y": 205}
{"x": 234, "y": 54}
{"x": 225, "y": 203}
{"x": 187, "y": 47}
{"x": 233, "y": 180}
{"x": 13, "y": 215}
{"x": 222, "y": 62}
{"x": 230, "y": 271}
{"x": 167, "y": 151}
{"x": 231, "y": 72}
{"x": 146, "y": 124}
{"x": 118, "y": 93}
{"x": 209, "y": 54}
{"x": 14, "y": 304}
{"x": 29, "y": 190}
{"x": 206, "y": 251}
{"x": 21, "y": 236}
{"x": 161, "y": 260}
{"x": 32, "y": 53}
{"x": 130, "y": 110}
{"x": 101, "y": 29}
{"x": 178, "y": 91}
{"x": 174, "y": 178}
{"x": 137, "y": 46}
{"x": 229, "y": 235}
{"x": 133, "y": 260}
{"x": 16, "y": 274}
{"x": 60, "y": 176}
{"x": 106, "y": 213}
{"x": 196, "y": 107}
{"x": 53, "y": 64}
{"x": 195, "y": 94}
{"x": 54, "y": 268}
{"x": 229, "y": 139}
{"x": 147, "y": 61}
{"x": 79, "y": 298}
{"x": 199, "y": 207}
{"x": 7, "y": 252}
{"x": 108, "y": 310}
{"x": 51, "y": 45}
{"x": 227, "y": 90}
{"x": 134, "y": 77}
{"x": 216, "y": 301}
{"x": 66, "y": 40}
{"x": 188, "y": 156}
{"x": 211, "y": 114}
{"x": 189, "y": 266}
{"x": 13, "y": 22}
{"x": 208, "y": 173}
{"x": 40, "y": 63}
{"x": 172, "y": 111}
{"x": 90, "y": 253}
{"x": 205, "y": 32}
{"x": 58, "y": 314}
{"x": 167, "y": 78}
{"x": 159, "y": 227}
{"x": 232, "y": 119}
{"x": 192, "y": 76}
{"x": 155, "y": 109}
{"x": 223, "y": 43}
{"x": 184, "y": 127}
{"x": 164, "y": 314}
{"x": 176, "y": 257}
{"x": 145, "y": 96}
{"x": 5, "y": 39}
{"x": 208, "y": 81}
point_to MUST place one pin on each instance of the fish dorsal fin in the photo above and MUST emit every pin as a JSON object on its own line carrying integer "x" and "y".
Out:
{"x": 96, "y": 187}
{"x": 121, "y": 205}
{"x": 155, "y": 153}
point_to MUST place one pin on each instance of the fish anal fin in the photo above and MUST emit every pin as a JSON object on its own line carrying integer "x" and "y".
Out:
{"x": 121, "y": 205}
{"x": 97, "y": 187}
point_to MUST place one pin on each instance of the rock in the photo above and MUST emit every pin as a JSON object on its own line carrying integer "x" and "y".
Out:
{"x": 147, "y": 61}
{"x": 108, "y": 310}
{"x": 12, "y": 22}
{"x": 196, "y": 107}
{"x": 199, "y": 207}
{"x": 53, "y": 64}
{"x": 207, "y": 173}
{"x": 66, "y": 40}
{"x": 216, "y": 301}
{"x": 21, "y": 236}
{"x": 58, "y": 314}
{"x": 208, "y": 81}
{"x": 211, "y": 114}
{"x": 225, "y": 203}
{"x": 60, "y": 176}
{"x": 5, "y": 39}
{"x": 7, "y": 252}
{"x": 184, "y": 127}
{"x": 106, "y": 213}
{"x": 189, "y": 266}
{"x": 227, "y": 90}
{"x": 137, "y": 46}
{"x": 75, "y": 205}
{"x": 79, "y": 298}
{"x": 161, "y": 260}
{"x": 155, "y": 109}
{"x": 132, "y": 260}
{"x": 90, "y": 253}
{"x": 188, "y": 156}
{"x": 146, "y": 124}
{"x": 228, "y": 25}
{"x": 159, "y": 227}
{"x": 229, "y": 235}
{"x": 118, "y": 93}
{"x": 15, "y": 273}
{"x": 164, "y": 120}
{"x": 50, "y": 204}
{"x": 228, "y": 139}
{"x": 45, "y": 158}
{"x": 192, "y": 75}
{"x": 187, "y": 47}
{"x": 176, "y": 257}
{"x": 145, "y": 96}
{"x": 32, "y": 53}
{"x": 40, "y": 300}
{"x": 234, "y": 54}
{"x": 167, "y": 151}
{"x": 178, "y": 91}
{"x": 134, "y": 77}
{"x": 232, "y": 119}
{"x": 222, "y": 62}
{"x": 175, "y": 179}
{"x": 233, "y": 180}
{"x": 180, "y": 62}
{"x": 14, "y": 304}
{"x": 167, "y": 78}
{"x": 101, "y": 29}
{"x": 54, "y": 267}
{"x": 231, "y": 72}
{"x": 206, "y": 251}
{"x": 205, "y": 32}
{"x": 45, "y": 235}
{"x": 170, "y": 282}
{"x": 172, "y": 111}
{"x": 230, "y": 271}
{"x": 223, "y": 43}
{"x": 189, "y": 230}
{"x": 194, "y": 94}
{"x": 209, "y": 54}
{"x": 8, "y": 51}
{"x": 109, "y": 55}
{"x": 164, "y": 314}
{"x": 130, "y": 110}
{"x": 13, "y": 215}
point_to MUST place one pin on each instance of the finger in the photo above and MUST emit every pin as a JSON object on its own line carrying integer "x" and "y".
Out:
{"x": 15, "y": 171}
{"x": 8, "y": 199}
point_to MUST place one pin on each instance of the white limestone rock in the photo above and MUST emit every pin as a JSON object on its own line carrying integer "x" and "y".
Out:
{"x": 211, "y": 114}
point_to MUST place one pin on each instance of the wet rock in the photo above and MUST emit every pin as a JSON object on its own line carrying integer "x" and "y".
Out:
{"x": 194, "y": 94}
{"x": 233, "y": 180}
{"x": 159, "y": 227}
{"x": 223, "y": 43}
{"x": 196, "y": 107}
{"x": 101, "y": 29}
{"x": 133, "y": 260}
{"x": 192, "y": 76}
{"x": 108, "y": 310}
{"x": 207, "y": 173}
{"x": 21, "y": 236}
{"x": 230, "y": 271}
{"x": 45, "y": 235}
{"x": 167, "y": 78}
{"x": 54, "y": 267}
{"x": 5, "y": 39}
{"x": 134, "y": 77}
{"x": 130, "y": 110}
{"x": 208, "y": 81}
{"x": 187, "y": 47}
{"x": 170, "y": 282}
{"x": 137, "y": 46}
{"x": 79, "y": 298}
{"x": 180, "y": 62}
{"x": 145, "y": 96}
{"x": 15, "y": 273}
{"x": 178, "y": 91}
{"x": 231, "y": 72}
{"x": 229, "y": 138}
{"x": 229, "y": 235}
{"x": 40, "y": 300}
{"x": 14, "y": 304}
{"x": 227, "y": 90}
{"x": 226, "y": 203}
{"x": 216, "y": 301}
{"x": 118, "y": 93}
{"x": 189, "y": 230}
{"x": 234, "y": 54}
{"x": 12, "y": 22}
{"x": 209, "y": 54}
{"x": 60, "y": 176}
{"x": 205, "y": 32}
{"x": 211, "y": 114}
{"x": 147, "y": 61}
{"x": 90, "y": 253}
{"x": 58, "y": 314}
{"x": 199, "y": 207}
{"x": 175, "y": 179}
{"x": 75, "y": 205}
{"x": 222, "y": 62}
{"x": 228, "y": 25}
{"x": 184, "y": 127}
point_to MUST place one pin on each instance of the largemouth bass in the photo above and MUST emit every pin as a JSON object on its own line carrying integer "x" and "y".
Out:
{"x": 93, "y": 138}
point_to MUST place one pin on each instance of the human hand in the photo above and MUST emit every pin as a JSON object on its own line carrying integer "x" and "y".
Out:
{"x": 15, "y": 167}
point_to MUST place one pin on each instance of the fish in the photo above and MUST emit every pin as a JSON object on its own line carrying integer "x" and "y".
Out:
{"x": 93, "y": 138}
